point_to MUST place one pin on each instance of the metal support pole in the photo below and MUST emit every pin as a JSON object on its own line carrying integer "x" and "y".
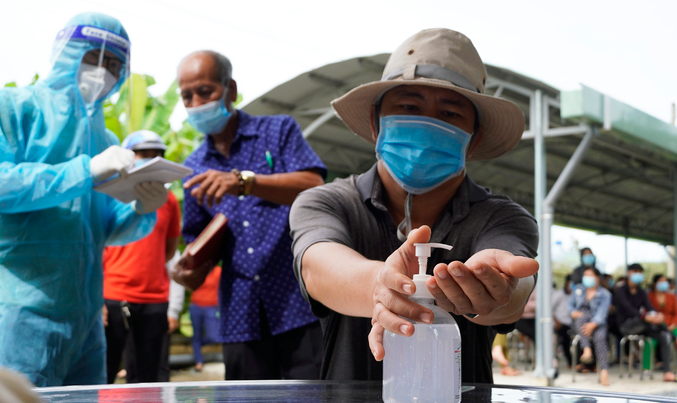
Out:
{"x": 315, "y": 124}
{"x": 674, "y": 215}
{"x": 540, "y": 190}
{"x": 545, "y": 273}
{"x": 626, "y": 235}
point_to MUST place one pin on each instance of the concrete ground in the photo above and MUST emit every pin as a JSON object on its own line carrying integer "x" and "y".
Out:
{"x": 590, "y": 381}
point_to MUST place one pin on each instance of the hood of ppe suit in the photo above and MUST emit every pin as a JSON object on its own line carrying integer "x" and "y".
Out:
{"x": 53, "y": 226}
{"x": 76, "y": 127}
{"x": 67, "y": 59}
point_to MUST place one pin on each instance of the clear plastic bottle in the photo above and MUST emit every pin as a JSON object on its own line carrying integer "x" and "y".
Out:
{"x": 426, "y": 367}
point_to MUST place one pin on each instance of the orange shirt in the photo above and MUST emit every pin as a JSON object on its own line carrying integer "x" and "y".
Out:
{"x": 669, "y": 309}
{"x": 208, "y": 293}
{"x": 136, "y": 272}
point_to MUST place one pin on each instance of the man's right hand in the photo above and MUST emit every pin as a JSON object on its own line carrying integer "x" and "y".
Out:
{"x": 189, "y": 276}
{"x": 391, "y": 291}
{"x": 213, "y": 185}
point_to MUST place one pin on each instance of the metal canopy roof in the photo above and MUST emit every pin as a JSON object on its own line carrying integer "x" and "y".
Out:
{"x": 623, "y": 186}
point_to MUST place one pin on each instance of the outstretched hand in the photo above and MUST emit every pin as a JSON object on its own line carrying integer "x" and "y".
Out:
{"x": 483, "y": 285}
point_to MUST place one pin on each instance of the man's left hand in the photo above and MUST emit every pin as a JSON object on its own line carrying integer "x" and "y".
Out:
{"x": 173, "y": 324}
{"x": 187, "y": 274}
{"x": 483, "y": 284}
{"x": 104, "y": 314}
{"x": 213, "y": 185}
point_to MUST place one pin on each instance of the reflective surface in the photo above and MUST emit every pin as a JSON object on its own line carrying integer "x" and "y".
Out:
{"x": 313, "y": 392}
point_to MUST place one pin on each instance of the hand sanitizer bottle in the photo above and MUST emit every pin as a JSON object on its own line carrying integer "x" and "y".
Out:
{"x": 426, "y": 367}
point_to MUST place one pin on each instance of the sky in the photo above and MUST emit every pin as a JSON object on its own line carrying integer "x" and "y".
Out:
{"x": 625, "y": 49}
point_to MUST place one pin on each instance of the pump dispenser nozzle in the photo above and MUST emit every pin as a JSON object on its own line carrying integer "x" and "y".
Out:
{"x": 423, "y": 253}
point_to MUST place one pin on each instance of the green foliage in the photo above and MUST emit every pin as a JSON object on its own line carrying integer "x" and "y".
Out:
{"x": 185, "y": 325}
{"x": 33, "y": 81}
{"x": 136, "y": 109}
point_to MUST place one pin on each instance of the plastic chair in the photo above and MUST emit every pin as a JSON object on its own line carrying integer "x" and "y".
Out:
{"x": 634, "y": 339}
{"x": 574, "y": 355}
{"x": 521, "y": 349}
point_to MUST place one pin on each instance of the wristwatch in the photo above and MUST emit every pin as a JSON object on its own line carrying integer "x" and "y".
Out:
{"x": 248, "y": 178}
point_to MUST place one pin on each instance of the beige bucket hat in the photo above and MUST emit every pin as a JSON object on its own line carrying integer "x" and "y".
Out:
{"x": 446, "y": 59}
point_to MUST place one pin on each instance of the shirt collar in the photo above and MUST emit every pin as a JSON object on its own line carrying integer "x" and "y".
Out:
{"x": 370, "y": 188}
{"x": 246, "y": 126}
{"x": 369, "y": 185}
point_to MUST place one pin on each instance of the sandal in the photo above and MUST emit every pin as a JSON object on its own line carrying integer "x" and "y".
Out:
{"x": 587, "y": 360}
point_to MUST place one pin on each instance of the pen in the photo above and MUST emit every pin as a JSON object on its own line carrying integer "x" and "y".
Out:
{"x": 269, "y": 158}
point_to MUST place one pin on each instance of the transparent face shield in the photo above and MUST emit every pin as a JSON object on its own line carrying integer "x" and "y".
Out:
{"x": 102, "y": 57}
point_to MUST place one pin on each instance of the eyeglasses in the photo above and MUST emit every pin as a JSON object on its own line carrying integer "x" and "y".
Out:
{"x": 109, "y": 61}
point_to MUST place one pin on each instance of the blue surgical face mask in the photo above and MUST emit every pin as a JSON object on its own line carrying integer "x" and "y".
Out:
{"x": 662, "y": 286}
{"x": 209, "y": 118}
{"x": 589, "y": 281}
{"x": 419, "y": 152}
{"x": 141, "y": 161}
{"x": 588, "y": 260}
{"x": 610, "y": 283}
{"x": 637, "y": 278}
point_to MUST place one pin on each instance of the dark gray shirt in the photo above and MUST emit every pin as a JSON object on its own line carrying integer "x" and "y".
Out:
{"x": 351, "y": 212}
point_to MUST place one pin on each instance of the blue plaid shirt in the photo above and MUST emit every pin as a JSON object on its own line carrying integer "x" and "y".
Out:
{"x": 257, "y": 259}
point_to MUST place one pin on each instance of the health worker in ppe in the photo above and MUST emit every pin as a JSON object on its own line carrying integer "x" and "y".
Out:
{"x": 54, "y": 147}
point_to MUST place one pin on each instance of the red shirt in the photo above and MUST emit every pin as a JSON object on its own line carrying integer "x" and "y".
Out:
{"x": 669, "y": 309}
{"x": 136, "y": 272}
{"x": 208, "y": 293}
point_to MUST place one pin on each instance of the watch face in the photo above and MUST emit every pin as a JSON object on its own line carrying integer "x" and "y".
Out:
{"x": 248, "y": 181}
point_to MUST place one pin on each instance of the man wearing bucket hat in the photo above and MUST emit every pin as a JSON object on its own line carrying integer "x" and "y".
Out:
{"x": 54, "y": 147}
{"x": 353, "y": 239}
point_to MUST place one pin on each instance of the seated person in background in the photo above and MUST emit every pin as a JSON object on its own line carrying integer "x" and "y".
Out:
{"x": 588, "y": 260}
{"x": 607, "y": 282}
{"x": 664, "y": 301}
{"x": 562, "y": 317}
{"x": 355, "y": 265}
{"x": 589, "y": 307}
{"x": 636, "y": 315}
